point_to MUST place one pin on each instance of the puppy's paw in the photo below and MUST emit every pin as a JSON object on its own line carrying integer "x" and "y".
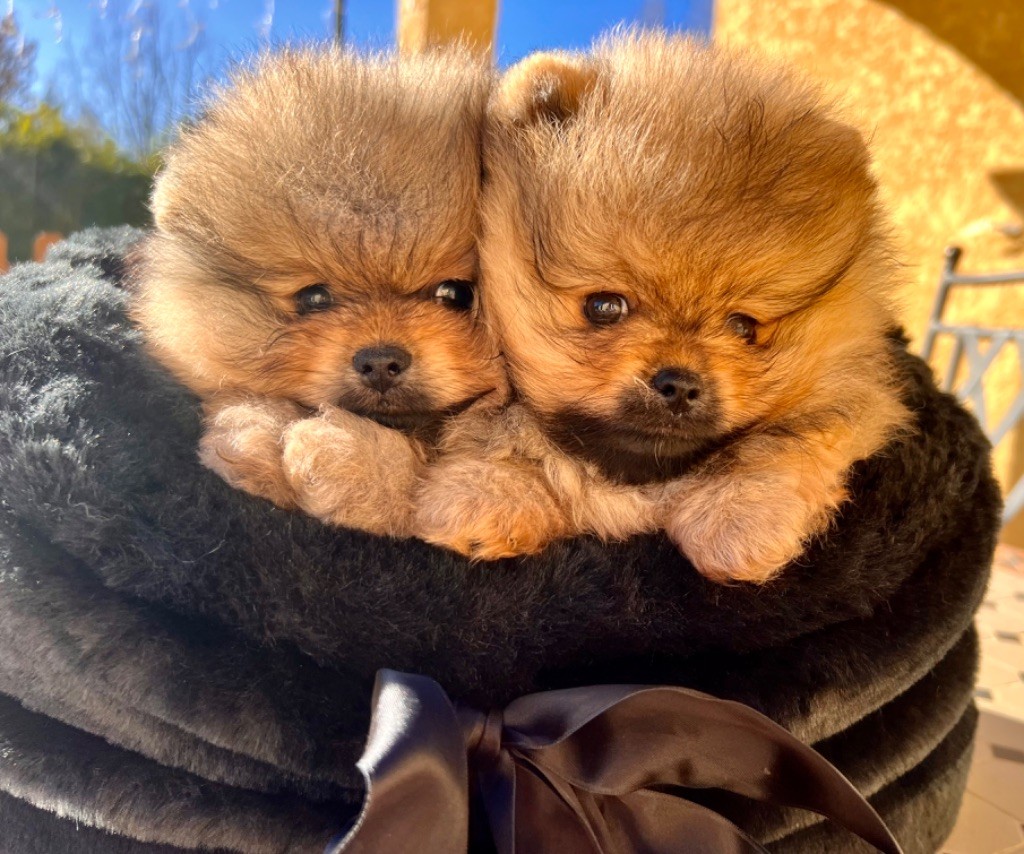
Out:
{"x": 743, "y": 530}
{"x": 486, "y": 511}
{"x": 348, "y": 471}
{"x": 242, "y": 444}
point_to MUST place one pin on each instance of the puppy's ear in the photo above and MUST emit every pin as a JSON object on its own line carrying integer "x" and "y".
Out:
{"x": 845, "y": 138}
{"x": 545, "y": 87}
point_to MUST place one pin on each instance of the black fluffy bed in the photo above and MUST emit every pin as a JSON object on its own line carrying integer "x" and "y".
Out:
{"x": 184, "y": 667}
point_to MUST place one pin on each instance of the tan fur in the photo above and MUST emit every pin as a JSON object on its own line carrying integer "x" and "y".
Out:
{"x": 241, "y": 442}
{"x": 698, "y": 184}
{"x": 485, "y": 496}
{"x": 501, "y": 488}
{"x": 348, "y": 471}
{"x": 317, "y": 166}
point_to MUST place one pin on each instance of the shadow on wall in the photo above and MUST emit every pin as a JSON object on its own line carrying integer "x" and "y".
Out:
{"x": 987, "y": 34}
{"x": 1010, "y": 185}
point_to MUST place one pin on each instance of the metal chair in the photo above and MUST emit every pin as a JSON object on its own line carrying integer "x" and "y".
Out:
{"x": 966, "y": 345}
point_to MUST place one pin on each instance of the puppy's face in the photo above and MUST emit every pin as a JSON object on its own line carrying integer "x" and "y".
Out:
{"x": 677, "y": 244}
{"x": 316, "y": 238}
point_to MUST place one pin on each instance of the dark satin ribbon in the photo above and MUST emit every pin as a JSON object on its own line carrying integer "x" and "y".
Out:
{"x": 583, "y": 771}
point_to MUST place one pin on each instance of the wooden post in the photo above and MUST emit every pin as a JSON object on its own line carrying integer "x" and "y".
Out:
{"x": 339, "y": 22}
{"x": 44, "y": 240}
{"x": 5, "y": 265}
{"x": 423, "y": 24}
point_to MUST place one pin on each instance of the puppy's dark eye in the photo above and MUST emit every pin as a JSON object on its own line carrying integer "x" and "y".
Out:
{"x": 455, "y": 294}
{"x": 313, "y": 298}
{"x": 604, "y": 309}
{"x": 743, "y": 326}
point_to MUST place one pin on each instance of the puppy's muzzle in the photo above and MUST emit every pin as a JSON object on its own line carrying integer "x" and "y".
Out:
{"x": 381, "y": 368}
{"x": 680, "y": 389}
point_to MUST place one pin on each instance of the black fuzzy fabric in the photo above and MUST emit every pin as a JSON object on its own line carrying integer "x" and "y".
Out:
{"x": 185, "y": 667}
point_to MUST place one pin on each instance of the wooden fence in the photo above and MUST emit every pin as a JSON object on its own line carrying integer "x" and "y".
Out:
{"x": 44, "y": 240}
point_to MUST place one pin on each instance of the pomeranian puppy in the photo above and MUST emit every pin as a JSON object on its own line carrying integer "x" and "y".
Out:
{"x": 315, "y": 255}
{"x": 685, "y": 261}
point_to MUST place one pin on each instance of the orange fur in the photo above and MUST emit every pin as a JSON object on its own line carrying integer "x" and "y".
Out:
{"x": 698, "y": 185}
{"x": 360, "y": 174}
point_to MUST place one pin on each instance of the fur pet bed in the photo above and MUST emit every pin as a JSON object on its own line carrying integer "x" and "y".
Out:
{"x": 184, "y": 667}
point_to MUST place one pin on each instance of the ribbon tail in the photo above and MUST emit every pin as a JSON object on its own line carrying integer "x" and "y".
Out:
{"x": 660, "y": 823}
{"x": 558, "y": 819}
{"x": 617, "y": 740}
{"x": 497, "y": 784}
{"x": 553, "y": 818}
{"x": 415, "y": 768}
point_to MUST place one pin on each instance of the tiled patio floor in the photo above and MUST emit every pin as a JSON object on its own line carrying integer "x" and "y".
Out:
{"x": 992, "y": 818}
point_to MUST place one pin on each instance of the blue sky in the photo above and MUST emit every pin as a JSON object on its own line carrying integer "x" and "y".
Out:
{"x": 234, "y": 27}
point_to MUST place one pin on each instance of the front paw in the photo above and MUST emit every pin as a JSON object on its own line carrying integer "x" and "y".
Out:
{"x": 486, "y": 512}
{"x": 242, "y": 444}
{"x": 740, "y": 531}
{"x": 348, "y": 471}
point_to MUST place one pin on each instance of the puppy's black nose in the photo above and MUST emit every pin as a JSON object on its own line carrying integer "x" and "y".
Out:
{"x": 680, "y": 388}
{"x": 381, "y": 367}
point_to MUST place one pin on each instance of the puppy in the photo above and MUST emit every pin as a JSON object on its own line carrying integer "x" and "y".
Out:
{"x": 685, "y": 261}
{"x": 315, "y": 254}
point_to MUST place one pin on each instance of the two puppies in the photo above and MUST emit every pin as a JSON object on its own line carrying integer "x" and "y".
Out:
{"x": 682, "y": 262}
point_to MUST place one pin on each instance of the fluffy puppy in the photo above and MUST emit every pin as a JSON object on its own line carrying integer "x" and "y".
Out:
{"x": 684, "y": 258}
{"x": 315, "y": 251}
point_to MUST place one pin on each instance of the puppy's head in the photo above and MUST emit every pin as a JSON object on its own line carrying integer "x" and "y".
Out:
{"x": 316, "y": 237}
{"x": 678, "y": 244}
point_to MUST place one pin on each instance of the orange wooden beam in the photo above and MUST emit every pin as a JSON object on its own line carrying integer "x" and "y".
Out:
{"x": 44, "y": 240}
{"x": 423, "y": 24}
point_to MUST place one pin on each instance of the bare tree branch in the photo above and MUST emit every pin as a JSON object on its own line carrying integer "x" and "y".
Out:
{"x": 17, "y": 57}
{"x": 139, "y": 72}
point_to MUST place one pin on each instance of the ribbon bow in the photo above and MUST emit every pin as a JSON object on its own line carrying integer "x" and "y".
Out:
{"x": 591, "y": 770}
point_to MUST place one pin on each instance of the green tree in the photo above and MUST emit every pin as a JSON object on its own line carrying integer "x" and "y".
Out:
{"x": 62, "y": 177}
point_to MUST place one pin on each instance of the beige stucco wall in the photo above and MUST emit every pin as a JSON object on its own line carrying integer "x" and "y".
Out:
{"x": 937, "y": 85}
